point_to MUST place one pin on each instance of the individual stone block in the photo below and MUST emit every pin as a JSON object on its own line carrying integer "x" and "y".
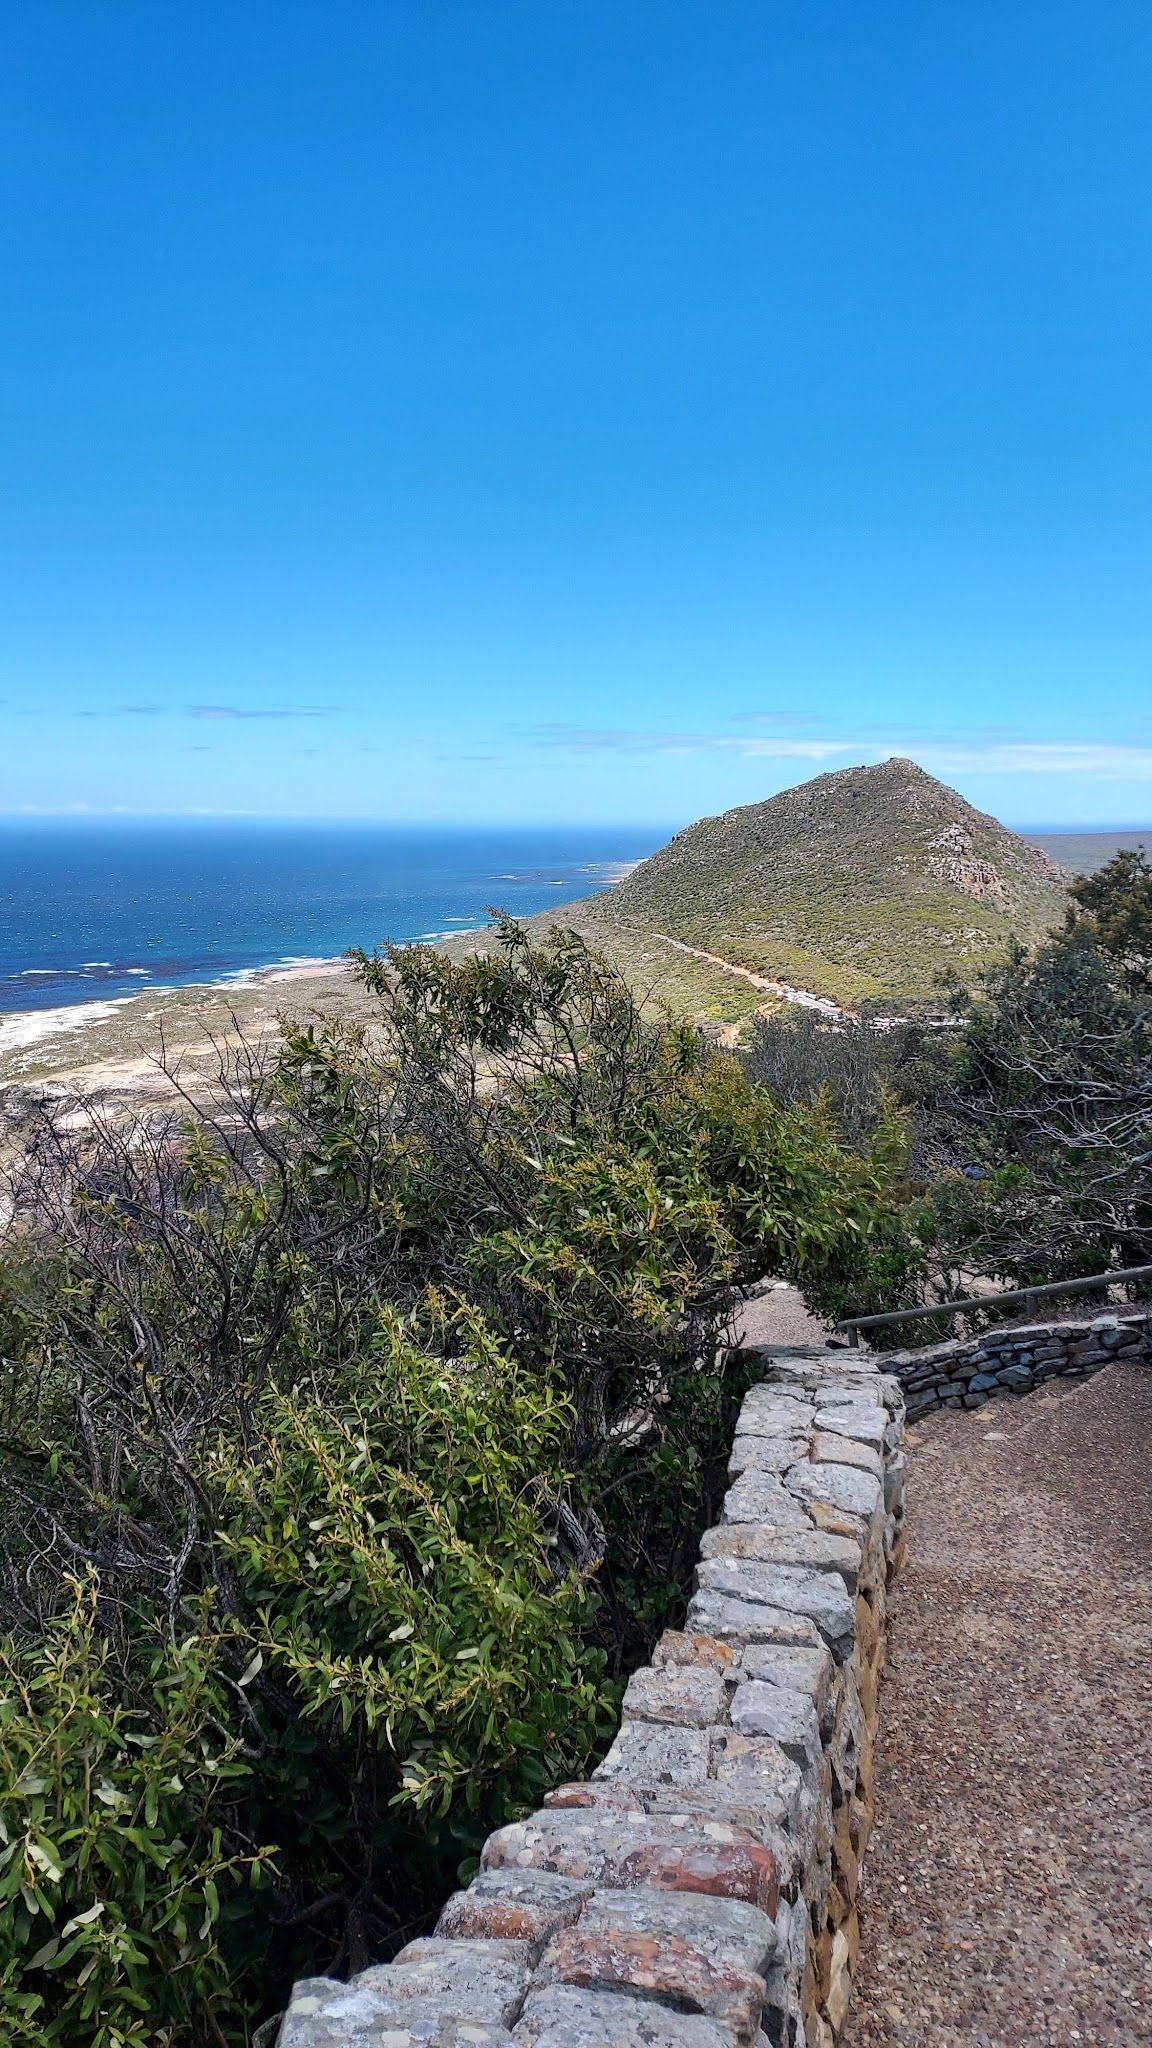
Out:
{"x": 507, "y": 1905}
{"x": 821, "y": 1596}
{"x": 431, "y": 1956}
{"x": 658, "y": 1966}
{"x": 787, "y": 1423}
{"x": 747, "y": 1870}
{"x": 684, "y": 1695}
{"x": 828, "y": 1449}
{"x": 863, "y": 1421}
{"x": 809, "y": 1672}
{"x": 894, "y": 1474}
{"x": 645, "y": 1753}
{"x": 839, "y": 1980}
{"x": 816, "y": 1548}
{"x": 742, "y": 1809}
{"x": 673, "y": 1852}
{"x": 677, "y": 1647}
{"x": 757, "y": 1768}
{"x": 470, "y": 1980}
{"x": 583, "y": 1792}
{"x": 732, "y": 1932}
{"x": 762, "y": 1497}
{"x": 836, "y": 1521}
{"x": 563, "y": 2017}
{"x": 744, "y": 1621}
{"x": 765, "y": 1453}
{"x": 325, "y": 2014}
{"x": 842, "y": 1485}
{"x": 845, "y": 1747}
{"x": 768, "y": 1410}
{"x": 584, "y": 1844}
{"x": 788, "y": 1717}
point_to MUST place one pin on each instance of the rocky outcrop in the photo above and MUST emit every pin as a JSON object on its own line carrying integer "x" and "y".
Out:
{"x": 699, "y": 1891}
{"x": 953, "y": 858}
{"x": 966, "y": 1372}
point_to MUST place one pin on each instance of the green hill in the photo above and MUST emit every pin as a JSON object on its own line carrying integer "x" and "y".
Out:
{"x": 867, "y": 886}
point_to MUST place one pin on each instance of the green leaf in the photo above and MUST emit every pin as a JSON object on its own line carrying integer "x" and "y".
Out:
{"x": 251, "y": 1670}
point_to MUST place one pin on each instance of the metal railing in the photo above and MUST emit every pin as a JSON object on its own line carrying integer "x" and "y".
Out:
{"x": 1027, "y": 1296}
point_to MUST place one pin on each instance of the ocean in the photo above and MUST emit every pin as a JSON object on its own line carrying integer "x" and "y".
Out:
{"x": 93, "y": 911}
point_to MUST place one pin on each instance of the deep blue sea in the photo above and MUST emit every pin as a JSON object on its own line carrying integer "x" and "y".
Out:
{"x": 90, "y": 911}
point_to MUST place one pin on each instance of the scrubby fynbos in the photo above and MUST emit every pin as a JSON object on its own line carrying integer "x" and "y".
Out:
{"x": 866, "y": 886}
{"x": 700, "y": 1890}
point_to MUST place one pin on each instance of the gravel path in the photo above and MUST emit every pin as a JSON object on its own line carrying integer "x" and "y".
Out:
{"x": 775, "y": 1314}
{"x": 1007, "y": 1898}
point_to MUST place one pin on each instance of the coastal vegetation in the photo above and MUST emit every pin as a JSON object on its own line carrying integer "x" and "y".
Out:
{"x": 1050, "y": 1098}
{"x": 356, "y": 1431}
{"x": 1028, "y": 1127}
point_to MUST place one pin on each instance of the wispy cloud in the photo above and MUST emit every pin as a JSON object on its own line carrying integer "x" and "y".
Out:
{"x": 220, "y": 712}
{"x": 580, "y": 739}
{"x": 1107, "y": 760}
{"x": 989, "y": 754}
{"x": 98, "y": 811}
{"x": 238, "y": 711}
{"x": 124, "y": 711}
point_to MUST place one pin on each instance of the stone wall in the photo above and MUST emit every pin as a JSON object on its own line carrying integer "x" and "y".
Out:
{"x": 966, "y": 1372}
{"x": 699, "y": 1891}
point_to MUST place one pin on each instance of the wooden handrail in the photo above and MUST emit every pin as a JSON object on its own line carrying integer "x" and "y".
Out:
{"x": 852, "y": 1325}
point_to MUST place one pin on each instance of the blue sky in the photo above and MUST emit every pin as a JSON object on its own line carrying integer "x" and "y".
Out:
{"x": 589, "y": 411}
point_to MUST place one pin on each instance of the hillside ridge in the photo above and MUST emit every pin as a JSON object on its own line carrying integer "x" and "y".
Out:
{"x": 868, "y": 885}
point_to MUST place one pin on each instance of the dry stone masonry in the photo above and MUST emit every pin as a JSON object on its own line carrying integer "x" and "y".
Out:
{"x": 965, "y": 1373}
{"x": 699, "y": 1891}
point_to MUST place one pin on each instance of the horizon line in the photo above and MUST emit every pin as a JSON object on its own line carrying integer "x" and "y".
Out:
{"x": 81, "y": 815}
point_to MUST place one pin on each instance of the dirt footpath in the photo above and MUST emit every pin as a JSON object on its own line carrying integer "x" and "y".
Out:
{"x": 1007, "y": 1894}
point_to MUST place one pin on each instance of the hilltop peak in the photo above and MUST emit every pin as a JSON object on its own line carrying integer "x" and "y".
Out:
{"x": 866, "y": 884}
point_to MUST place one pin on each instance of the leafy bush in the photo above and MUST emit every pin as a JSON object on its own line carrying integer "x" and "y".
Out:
{"x": 1050, "y": 1109}
{"x": 116, "y": 1882}
{"x": 1114, "y": 906}
{"x": 389, "y": 1392}
{"x": 392, "y": 1546}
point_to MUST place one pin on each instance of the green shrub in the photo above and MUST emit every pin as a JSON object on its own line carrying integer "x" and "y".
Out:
{"x": 390, "y": 1396}
{"x": 1050, "y": 1111}
{"x": 118, "y": 1885}
{"x": 393, "y": 1550}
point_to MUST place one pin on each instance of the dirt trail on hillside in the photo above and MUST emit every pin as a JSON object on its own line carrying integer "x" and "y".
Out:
{"x": 783, "y": 990}
{"x": 1007, "y": 1895}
